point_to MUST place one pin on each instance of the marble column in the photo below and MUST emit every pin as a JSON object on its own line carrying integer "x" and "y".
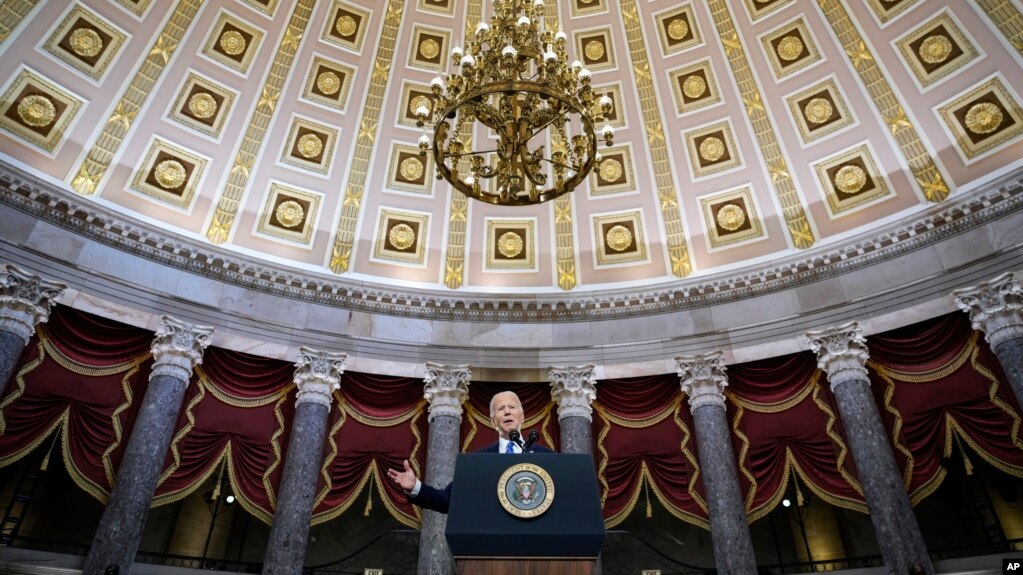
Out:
{"x": 177, "y": 348}
{"x": 317, "y": 375}
{"x": 25, "y": 301}
{"x": 446, "y": 389}
{"x": 842, "y": 354}
{"x": 996, "y": 308}
{"x": 574, "y": 389}
{"x": 703, "y": 381}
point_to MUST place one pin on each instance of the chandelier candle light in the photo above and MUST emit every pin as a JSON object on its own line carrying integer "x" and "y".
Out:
{"x": 515, "y": 81}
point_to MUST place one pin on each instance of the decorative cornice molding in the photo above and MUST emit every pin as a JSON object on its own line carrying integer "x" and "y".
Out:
{"x": 995, "y": 307}
{"x": 317, "y": 375}
{"x": 25, "y": 301}
{"x": 62, "y": 208}
{"x": 178, "y": 347}
{"x": 446, "y": 389}
{"x": 703, "y": 379}
{"x": 841, "y": 352}
{"x": 574, "y": 388}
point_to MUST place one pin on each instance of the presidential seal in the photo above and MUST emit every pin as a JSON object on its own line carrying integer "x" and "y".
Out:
{"x": 525, "y": 490}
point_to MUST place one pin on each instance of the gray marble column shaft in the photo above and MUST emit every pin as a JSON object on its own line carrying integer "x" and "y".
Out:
{"x": 447, "y": 387}
{"x": 12, "y": 346}
{"x": 842, "y": 354}
{"x": 996, "y": 308}
{"x": 703, "y": 381}
{"x": 573, "y": 390}
{"x": 25, "y": 301}
{"x": 317, "y": 375}
{"x": 177, "y": 348}
{"x": 1010, "y": 356}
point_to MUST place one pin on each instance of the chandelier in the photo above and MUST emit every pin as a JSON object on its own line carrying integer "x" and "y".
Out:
{"x": 523, "y": 116}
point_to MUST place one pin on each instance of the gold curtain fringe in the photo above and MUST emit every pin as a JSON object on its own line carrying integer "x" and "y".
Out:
{"x": 85, "y": 369}
{"x": 190, "y": 417}
{"x": 777, "y": 406}
{"x": 235, "y": 401}
{"x": 372, "y": 474}
{"x": 19, "y": 381}
{"x": 195, "y": 484}
{"x": 953, "y": 426}
{"x": 383, "y": 421}
{"x": 751, "y": 496}
{"x": 993, "y": 395}
{"x": 276, "y": 446}
{"x": 889, "y": 393}
{"x": 935, "y": 374}
{"x": 688, "y": 453}
{"x": 328, "y": 461}
{"x": 129, "y": 397}
{"x": 645, "y": 479}
{"x": 637, "y": 423}
{"x": 836, "y": 438}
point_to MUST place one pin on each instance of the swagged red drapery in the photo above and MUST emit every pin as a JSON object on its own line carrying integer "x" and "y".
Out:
{"x": 644, "y": 443}
{"x": 88, "y": 375}
{"x": 933, "y": 382}
{"x": 784, "y": 419}
{"x": 938, "y": 384}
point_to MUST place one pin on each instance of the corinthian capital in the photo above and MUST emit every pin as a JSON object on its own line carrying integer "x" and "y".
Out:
{"x": 447, "y": 387}
{"x": 317, "y": 375}
{"x": 841, "y": 352}
{"x": 178, "y": 348}
{"x": 995, "y": 307}
{"x": 574, "y": 388}
{"x": 703, "y": 379}
{"x": 25, "y": 301}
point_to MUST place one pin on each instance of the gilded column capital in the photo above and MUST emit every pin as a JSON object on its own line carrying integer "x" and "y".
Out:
{"x": 25, "y": 301}
{"x": 995, "y": 307}
{"x": 317, "y": 375}
{"x": 446, "y": 389}
{"x": 574, "y": 388}
{"x": 841, "y": 352}
{"x": 703, "y": 378}
{"x": 178, "y": 347}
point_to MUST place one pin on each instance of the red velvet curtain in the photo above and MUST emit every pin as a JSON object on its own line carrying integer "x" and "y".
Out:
{"x": 85, "y": 376}
{"x": 938, "y": 385}
{"x": 380, "y": 422}
{"x": 784, "y": 419}
{"x": 645, "y": 448}
{"x": 232, "y": 416}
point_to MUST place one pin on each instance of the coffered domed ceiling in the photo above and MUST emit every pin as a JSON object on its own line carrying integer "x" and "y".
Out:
{"x": 746, "y": 130}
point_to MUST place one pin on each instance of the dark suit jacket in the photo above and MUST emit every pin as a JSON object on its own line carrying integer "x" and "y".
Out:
{"x": 439, "y": 499}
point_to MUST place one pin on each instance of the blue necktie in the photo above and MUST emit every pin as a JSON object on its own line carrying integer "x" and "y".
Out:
{"x": 510, "y": 448}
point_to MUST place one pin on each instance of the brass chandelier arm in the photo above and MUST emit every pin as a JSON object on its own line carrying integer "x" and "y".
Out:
{"x": 514, "y": 82}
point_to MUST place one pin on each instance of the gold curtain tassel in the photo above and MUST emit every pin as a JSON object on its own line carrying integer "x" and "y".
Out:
{"x": 799, "y": 496}
{"x": 219, "y": 479}
{"x": 45, "y": 464}
{"x": 966, "y": 459}
{"x": 649, "y": 507}
{"x": 369, "y": 501}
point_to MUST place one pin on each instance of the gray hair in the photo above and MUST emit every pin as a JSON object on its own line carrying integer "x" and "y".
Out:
{"x": 500, "y": 393}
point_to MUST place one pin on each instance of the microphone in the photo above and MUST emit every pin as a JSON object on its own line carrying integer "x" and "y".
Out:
{"x": 534, "y": 436}
{"x": 515, "y": 437}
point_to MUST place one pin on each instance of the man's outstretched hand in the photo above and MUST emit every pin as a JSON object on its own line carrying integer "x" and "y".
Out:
{"x": 405, "y": 479}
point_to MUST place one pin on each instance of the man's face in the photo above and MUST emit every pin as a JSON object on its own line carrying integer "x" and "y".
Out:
{"x": 507, "y": 414}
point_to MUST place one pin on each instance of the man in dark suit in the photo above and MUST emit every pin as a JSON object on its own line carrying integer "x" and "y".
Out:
{"x": 506, "y": 415}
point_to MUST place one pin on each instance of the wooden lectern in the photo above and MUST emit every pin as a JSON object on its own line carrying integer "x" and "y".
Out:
{"x": 535, "y": 513}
